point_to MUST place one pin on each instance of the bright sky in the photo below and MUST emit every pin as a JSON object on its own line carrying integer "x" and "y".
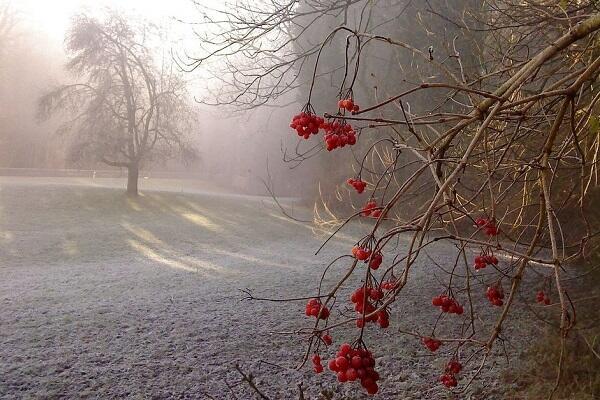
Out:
{"x": 53, "y": 16}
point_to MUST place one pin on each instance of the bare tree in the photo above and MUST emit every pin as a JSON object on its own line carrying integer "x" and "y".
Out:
{"x": 127, "y": 109}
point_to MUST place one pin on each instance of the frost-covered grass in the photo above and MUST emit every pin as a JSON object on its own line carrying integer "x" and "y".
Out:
{"x": 102, "y": 296}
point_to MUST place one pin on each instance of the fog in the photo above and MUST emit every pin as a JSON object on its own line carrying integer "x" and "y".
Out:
{"x": 237, "y": 149}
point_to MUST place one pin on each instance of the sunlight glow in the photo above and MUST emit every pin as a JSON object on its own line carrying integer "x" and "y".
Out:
{"x": 52, "y": 17}
{"x": 201, "y": 221}
{"x": 190, "y": 265}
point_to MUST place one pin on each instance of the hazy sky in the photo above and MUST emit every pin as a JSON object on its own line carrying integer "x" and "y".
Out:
{"x": 52, "y": 16}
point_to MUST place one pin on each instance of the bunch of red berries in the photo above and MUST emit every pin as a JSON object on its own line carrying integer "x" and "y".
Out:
{"x": 361, "y": 253}
{"x": 327, "y": 339}
{"x": 488, "y": 226}
{"x": 483, "y": 260}
{"x": 364, "y": 254}
{"x": 357, "y": 184}
{"x": 352, "y": 364}
{"x": 452, "y": 369}
{"x": 363, "y": 306}
{"x": 431, "y": 343}
{"x": 348, "y": 104}
{"x": 369, "y": 209}
{"x": 316, "y": 309}
{"x": 316, "y": 359}
{"x": 306, "y": 124}
{"x": 338, "y": 135}
{"x": 495, "y": 294}
{"x": 447, "y": 304}
{"x": 542, "y": 298}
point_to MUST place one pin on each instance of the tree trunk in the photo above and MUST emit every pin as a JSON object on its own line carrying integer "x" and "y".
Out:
{"x": 133, "y": 173}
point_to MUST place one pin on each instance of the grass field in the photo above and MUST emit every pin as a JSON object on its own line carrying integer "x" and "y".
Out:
{"x": 102, "y": 296}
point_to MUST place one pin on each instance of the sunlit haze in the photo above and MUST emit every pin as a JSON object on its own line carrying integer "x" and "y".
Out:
{"x": 53, "y": 16}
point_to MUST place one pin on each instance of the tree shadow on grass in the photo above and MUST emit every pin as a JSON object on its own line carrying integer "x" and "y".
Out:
{"x": 209, "y": 234}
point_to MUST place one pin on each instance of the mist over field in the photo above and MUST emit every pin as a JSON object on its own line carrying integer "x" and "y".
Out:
{"x": 303, "y": 199}
{"x": 34, "y": 55}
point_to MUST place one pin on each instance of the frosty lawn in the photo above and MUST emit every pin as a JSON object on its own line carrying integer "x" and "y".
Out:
{"x": 104, "y": 296}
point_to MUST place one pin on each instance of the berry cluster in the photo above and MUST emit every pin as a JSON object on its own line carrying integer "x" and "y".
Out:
{"x": 495, "y": 294}
{"x": 306, "y": 124}
{"x": 447, "y": 304}
{"x": 489, "y": 226}
{"x": 483, "y": 260}
{"x": 364, "y": 254}
{"x": 357, "y": 184}
{"x": 316, "y": 359}
{"x": 361, "y": 253}
{"x": 542, "y": 298}
{"x": 452, "y": 369}
{"x": 348, "y": 104}
{"x": 431, "y": 343}
{"x": 338, "y": 135}
{"x": 352, "y": 364}
{"x": 370, "y": 209}
{"x": 314, "y": 308}
{"x": 364, "y": 307}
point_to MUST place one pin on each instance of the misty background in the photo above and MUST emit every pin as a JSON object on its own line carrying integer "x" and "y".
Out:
{"x": 232, "y": 144}
{"x": 240, "y": 143}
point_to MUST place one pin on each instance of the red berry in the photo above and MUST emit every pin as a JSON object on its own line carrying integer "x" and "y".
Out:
{"x": 448, "y": 380}
{"x": 333, "y": 365}
{"x": 376, "y": 261}
{"x": 368, "y": 208}
{"x": 372, "y": 389}
{"x": 431, "y": 344}
{"x": 342, "y": 363}
{"x": 345, "y": 348}
{"x": 384, "y": 323}
{"x": 362, "y": 254}
{"x": 375, "y": 294}
{"x": 351, "y": 374}
{"x": 367, "y": 382}
{"x": 454, "y": 367}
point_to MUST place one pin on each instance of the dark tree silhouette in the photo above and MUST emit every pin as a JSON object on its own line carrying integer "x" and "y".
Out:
{"x": 127, "y": 110}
